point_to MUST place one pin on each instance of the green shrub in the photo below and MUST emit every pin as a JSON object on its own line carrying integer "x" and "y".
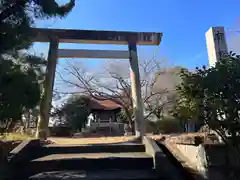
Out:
{"x": 169, "y": 125}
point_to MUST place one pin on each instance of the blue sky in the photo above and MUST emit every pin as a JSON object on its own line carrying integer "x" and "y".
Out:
{"x": 182, "y": 22}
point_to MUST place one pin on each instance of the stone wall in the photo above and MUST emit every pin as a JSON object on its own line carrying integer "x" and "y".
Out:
{"x": 216, "y": 161}
{"x": 223, "y": 159}
{"x": 190, "y": 153}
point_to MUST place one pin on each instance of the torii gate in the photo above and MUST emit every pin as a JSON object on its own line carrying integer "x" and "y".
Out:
{"x": 132, "y": 39}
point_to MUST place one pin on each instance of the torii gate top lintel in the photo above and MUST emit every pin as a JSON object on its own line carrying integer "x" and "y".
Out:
{"x": 96, "y": 37}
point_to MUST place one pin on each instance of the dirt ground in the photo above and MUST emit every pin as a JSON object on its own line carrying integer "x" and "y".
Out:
{"x": 90, "y": 140}
{"x": 98, "y": 140}
{"x": 118, "y": 139}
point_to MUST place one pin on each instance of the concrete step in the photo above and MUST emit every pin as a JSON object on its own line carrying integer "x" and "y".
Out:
{"x": 98, "y": 175}
{"x": 88, "y": 161}
{"x": 94, "y": 148}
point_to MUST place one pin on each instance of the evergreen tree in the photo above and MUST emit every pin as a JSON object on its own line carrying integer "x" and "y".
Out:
{"x": 18, "y": 16}
{"x": 21, "y": 75}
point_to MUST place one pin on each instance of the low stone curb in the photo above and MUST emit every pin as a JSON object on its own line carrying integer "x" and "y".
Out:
{"x": 24, "y": 151}
{"x": 162, "y": 165}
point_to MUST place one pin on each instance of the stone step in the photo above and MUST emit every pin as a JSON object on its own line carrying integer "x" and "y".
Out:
{"x": 88, "y": 161}
{"x": 99, "y": 175}
{"x": 94, "y": 148}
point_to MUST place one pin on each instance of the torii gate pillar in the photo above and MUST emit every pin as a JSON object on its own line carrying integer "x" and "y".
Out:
{"x": 46, "y": 101}
{"x": 136, "y": 91}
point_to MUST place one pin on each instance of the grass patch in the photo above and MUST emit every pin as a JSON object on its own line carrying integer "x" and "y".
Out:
{"x": 15, "y": 137}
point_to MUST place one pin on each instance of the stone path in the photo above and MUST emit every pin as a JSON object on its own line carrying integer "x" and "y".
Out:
{"x": 93, "y": 156}
{"x": 87, "y": 159}
{"x": 115, "y": 161}
{"x": 97, "y": 175}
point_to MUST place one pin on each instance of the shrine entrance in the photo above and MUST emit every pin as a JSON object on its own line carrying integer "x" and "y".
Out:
{"x": 56, "y": 36}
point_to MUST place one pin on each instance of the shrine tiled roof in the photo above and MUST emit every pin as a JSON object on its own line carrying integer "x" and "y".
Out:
{"x": 106, "y": 104}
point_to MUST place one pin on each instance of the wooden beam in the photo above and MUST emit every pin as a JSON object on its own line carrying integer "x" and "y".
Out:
{"x": 96, "y": 37}
{"x": 84, "y": 53}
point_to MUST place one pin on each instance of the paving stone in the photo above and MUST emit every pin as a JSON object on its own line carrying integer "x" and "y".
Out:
{"x": 97, "y": 175}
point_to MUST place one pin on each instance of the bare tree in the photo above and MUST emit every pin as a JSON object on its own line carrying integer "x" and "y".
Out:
{"x": 113, "y": 83}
